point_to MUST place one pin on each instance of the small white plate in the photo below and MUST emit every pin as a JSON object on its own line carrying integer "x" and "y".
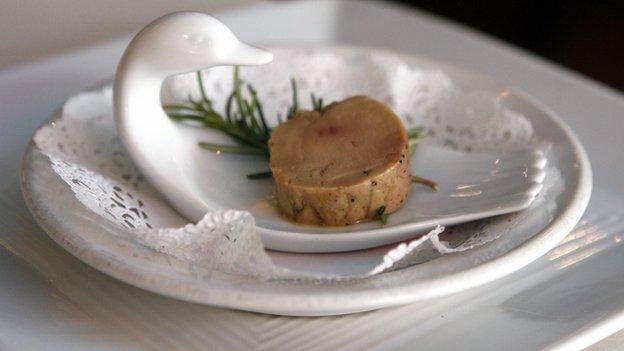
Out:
{"x": 106, "y": 247}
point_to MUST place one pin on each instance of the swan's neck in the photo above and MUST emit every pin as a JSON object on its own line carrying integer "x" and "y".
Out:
{"x": 138, "y": 111}
{"x": 137, "y": 89}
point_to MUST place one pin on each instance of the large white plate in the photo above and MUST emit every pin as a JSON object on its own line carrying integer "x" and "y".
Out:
{"x": 93, "y": 240}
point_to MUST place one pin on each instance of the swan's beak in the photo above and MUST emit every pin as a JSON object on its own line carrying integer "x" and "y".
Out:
{"x": 247, "y": 55}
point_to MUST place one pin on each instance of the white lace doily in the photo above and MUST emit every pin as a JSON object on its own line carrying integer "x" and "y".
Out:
{"x": 86, "y": 153}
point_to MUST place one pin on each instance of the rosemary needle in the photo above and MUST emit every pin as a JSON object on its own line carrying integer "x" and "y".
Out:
{"x": 317, "y": 104}
{"x": 260, "y": 175}
{"x": 424, "y": 181}
{"x": 382, "y": 215}
{"x": 233, "y": 149}
{"x": 415, "y": 132}
{"x": 414, "y": 136}
{"x": 295, "y": 99}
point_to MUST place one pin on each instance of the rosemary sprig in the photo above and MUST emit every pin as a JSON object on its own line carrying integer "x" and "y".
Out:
{"x": 244, "y": 118}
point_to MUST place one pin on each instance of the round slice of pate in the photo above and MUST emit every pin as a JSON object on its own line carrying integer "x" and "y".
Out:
{"x": 343, "y": 165}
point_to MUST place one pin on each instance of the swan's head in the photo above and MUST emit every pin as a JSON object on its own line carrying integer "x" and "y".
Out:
{"x": 189, "y": 41}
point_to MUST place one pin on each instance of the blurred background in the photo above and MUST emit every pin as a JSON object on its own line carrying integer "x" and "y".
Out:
{"x": 586, "y": 36}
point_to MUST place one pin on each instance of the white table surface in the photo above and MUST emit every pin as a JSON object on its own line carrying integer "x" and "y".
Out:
{"x": 32, "y": 29}
{"x": 569, "y": 299}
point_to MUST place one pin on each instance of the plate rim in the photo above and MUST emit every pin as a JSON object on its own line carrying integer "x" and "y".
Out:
{"x": 300, "y": 304}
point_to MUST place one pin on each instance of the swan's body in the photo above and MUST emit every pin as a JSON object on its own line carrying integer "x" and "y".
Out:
{"x": 174, "y": 44}
{"x": 177, "y": 43}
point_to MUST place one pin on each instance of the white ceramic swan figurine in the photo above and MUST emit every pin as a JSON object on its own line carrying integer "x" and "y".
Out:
{"x": 173, "y": 44}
